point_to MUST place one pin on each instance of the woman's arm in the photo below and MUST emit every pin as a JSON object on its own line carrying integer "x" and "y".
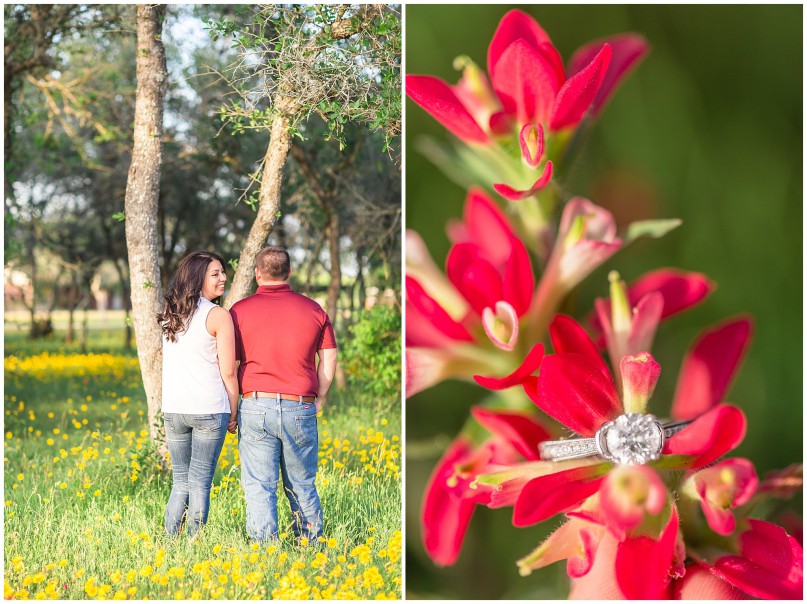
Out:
{"x": 220, "y": 325}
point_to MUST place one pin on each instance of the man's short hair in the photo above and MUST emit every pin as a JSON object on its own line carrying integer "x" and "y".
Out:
{"x": 273, "y": 263}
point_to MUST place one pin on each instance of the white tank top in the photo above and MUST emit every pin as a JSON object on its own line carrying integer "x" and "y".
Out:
{"x": 191, "y": 377}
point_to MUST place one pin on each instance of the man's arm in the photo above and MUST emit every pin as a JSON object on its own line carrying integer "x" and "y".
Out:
{"x": 326, "y": 369}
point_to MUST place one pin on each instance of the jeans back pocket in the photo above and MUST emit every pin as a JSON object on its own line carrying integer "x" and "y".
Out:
{"x": 252, "y": 424}
{"x": 305, "y": 434}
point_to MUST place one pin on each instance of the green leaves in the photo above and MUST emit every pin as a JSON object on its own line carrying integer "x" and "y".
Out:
{"x": 119, "y": 216}
{"x": 340, "y": 63}
{"x": 650, "y": 228}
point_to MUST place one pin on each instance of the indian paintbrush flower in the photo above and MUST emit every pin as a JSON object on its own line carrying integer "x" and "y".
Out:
{"x": 519, "y": 117}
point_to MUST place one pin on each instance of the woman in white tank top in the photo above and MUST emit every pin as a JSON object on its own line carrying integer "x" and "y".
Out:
{"x": 200, "y": 387}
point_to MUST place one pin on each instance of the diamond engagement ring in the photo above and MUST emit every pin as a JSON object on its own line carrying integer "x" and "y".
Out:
{"x": 631, "y": 439}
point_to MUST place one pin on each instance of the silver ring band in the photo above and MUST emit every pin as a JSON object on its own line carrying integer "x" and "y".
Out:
{"x": 630, "y": 439}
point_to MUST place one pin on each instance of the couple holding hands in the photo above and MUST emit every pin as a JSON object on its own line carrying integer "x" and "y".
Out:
{"x": 263, "y": 352}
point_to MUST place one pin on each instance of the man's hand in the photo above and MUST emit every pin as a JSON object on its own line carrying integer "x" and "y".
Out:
{"x": 319, "y": 403}
{"x": 600, "y": 582}
{"x": 232, "y": 426}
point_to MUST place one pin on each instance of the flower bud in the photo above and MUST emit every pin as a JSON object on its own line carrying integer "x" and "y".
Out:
{"x": 639, "y": 376}
{"x": 502, "y": 326}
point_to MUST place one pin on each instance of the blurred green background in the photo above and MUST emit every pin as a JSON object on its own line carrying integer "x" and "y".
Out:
{"x": 707, "y": 129}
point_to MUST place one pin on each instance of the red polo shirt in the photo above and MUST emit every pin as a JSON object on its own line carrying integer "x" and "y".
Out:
{"x": 277, "y": 335}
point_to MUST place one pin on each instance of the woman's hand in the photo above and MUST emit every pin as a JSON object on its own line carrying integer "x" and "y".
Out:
{"x": 232, "y": 426}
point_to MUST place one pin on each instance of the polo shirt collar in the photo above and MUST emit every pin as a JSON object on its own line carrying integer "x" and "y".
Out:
{"x": 270, "y": 289}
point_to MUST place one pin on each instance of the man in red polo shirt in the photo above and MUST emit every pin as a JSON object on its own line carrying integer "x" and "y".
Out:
{"x": 279, "y": 334}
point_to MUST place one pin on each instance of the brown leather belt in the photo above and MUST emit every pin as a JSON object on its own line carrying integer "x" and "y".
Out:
{"x": 286, "y": 397}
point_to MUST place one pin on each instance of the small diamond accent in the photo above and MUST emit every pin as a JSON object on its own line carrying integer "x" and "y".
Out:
{"x": 631, "y": 439}
{"x": 568, "y": 449}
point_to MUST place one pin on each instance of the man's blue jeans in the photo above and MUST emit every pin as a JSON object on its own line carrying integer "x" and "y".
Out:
{"x": 195, "y": 443}
{"x": 279, "y": 437}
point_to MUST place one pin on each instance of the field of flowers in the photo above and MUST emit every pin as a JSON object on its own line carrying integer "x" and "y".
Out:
{"x": 85, "y": 497}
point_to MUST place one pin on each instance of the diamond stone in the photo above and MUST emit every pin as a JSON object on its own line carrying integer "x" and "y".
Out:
{"x": 631, "y": 439}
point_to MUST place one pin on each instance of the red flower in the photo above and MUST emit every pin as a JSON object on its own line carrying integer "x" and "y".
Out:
{"x": 529, "y": 82}
{"x": 451, "y": 495}
{"x": 720, "y": 488}
{"x": 527, "y": 95}
{"x": 576, "y": 388}
{"x": 487, "y": 288}
{"x": 769, "y": 563}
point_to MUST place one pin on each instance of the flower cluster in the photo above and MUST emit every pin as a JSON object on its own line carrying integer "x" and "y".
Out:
{"x": 650, "y": 514}
{"x": 60, "y": 365}
{"x": 79, "y": 466}
{"x": 334, "y": 573}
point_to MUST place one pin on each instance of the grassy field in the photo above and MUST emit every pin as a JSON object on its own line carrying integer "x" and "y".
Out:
{"x": 85, "y": 495}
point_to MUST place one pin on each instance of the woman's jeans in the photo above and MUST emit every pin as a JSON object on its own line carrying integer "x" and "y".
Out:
{"x": 279, "y": 437}
{"x": 195, "y": 443}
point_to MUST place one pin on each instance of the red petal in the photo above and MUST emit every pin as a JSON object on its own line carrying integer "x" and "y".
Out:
{"x": 473, "y": 276}
{"x": 439, "y": 101}
{"x": 514, "y": 25}
{"x": 568, "y": 335}
{"x": 711, "y": 435}
{"x": 771, "y": 566}
{"x": 577, "y": 94}
{"x": 756, "y": 581}
{"x": 501, "y": 123}
{"x": 487, "y": 226}
{"x": 627, "y": 52}
{"x": 428, "y": 324}
{"x": 579, "y": 565}
{"x": 681, "y": 290}
{"x": 521, "y": 431}
{"x": 642, "y": 563}
{"x": 770, "y": 547}
{"x": 501, "y": 325}
{"x": 527, "y": 154}
{"x": 575, "y": 392}
{"x": 575, "y": 541}
{"x": 526, "y": 83}
{"x": 628, "y": 495}
{"x": 545, "y": 496}
{"x": 444, "y": 516}
{"x": 723, "y": 486}
{"x": 709, "y": 367}
{"x": 645, "y": 320}
{"x": 720, "y": 520}
{"x": 518, "y": 281}
{"x": 530, "y": 364}
{"x": 507, "y": 493}
{"x": 512, "y": 194}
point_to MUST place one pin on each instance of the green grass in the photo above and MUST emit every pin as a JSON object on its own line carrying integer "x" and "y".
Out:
{"x": 85, "y": 495}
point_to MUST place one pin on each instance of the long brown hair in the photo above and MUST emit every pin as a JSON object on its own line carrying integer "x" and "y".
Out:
{"x": 183, "y": 294}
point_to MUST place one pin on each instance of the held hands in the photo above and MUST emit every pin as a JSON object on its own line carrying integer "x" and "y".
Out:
{"x": 232, "y": 426}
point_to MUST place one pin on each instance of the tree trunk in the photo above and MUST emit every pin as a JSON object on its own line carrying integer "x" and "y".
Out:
{"x": 362, "y": 295}
{"x": 127, "y": 305}
{"x": 30, "y": 244}
{"x": 71, "y": 297}
{"x": 70, "y": 335}
{"x": 142, "y": 195}
{"x": 85, "y": 329}
{"x": 335, "y": 286}
{"x": 268, "y": 207}
{"x": 313, "y": 260}
{"x": 8, "y": 132}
